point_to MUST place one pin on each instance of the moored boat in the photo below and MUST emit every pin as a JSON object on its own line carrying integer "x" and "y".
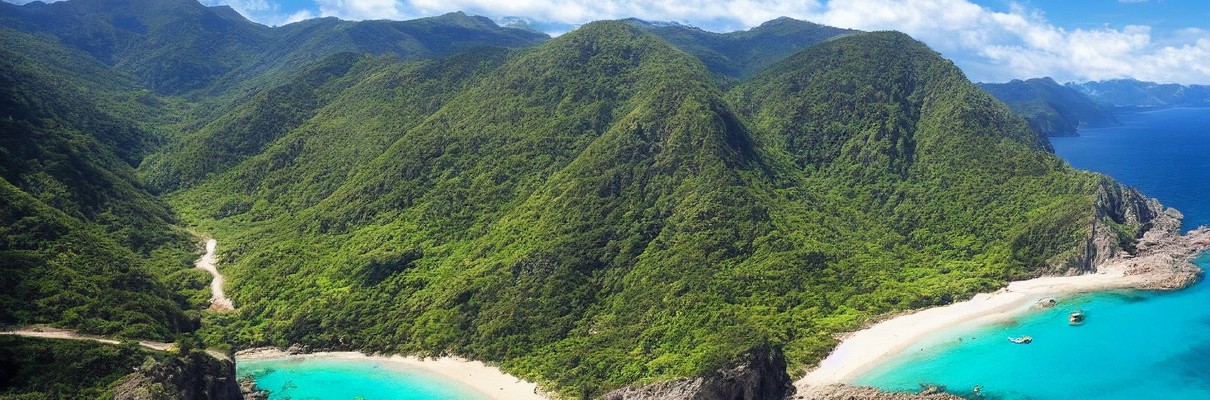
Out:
{"x": 1021, "y": 340}
{"x": 1076, "y": 318}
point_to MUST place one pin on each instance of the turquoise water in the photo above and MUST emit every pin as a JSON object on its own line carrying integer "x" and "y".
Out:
{"x": 324, "y": 378}
{"x": 1134, "y": 345}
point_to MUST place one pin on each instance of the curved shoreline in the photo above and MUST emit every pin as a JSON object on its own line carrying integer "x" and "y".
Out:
{"x": 1163, "y": 264}
{"x": 485, "y": 379}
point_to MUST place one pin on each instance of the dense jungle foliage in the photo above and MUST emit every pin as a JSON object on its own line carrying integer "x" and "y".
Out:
{"x": 622, "y": 204}
{"x": 64, "y": 369}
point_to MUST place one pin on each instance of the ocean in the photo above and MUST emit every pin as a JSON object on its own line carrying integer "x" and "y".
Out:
{"x": 334, "y": 378}
{"x": 1165, "y": 154}
{"x": 1134, "y": 344}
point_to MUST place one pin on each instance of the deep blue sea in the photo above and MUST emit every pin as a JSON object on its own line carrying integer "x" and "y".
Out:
{"x": 333, "y": 378}
{"x": 1166, "y": 154}
{"x": 1134, "y": 345}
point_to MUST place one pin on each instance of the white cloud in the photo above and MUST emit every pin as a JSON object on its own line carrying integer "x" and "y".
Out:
{"x": 989, "y": 45}
{"x": 362, "y": 9}
{"x": 300, "y": 15}
{"x": 245, "y": 7}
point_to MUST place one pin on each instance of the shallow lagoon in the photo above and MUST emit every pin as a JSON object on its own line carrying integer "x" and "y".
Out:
{"x": 301, "y": 378}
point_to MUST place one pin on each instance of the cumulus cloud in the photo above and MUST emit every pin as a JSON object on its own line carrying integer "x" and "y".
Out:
{"x": 362, "y": 9}
{"x": 1021, "y": 43}
{"x": 264, "y": 11}
{"x": 989, "y": 45}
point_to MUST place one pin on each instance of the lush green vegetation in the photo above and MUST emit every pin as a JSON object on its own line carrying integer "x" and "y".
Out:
{"x": 597, "y": 211}
{"x": 744, "y": 53}
{"x": 64, "y": 369}
{"x": 622, "y": 204}
{"x": 183, "y": 47}
{"x": 1051, "y": 109}
{"x": 82, "y": 243}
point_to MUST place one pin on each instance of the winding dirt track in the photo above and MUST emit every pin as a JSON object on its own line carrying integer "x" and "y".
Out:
{"x": 218, "y": 300}
{"x": 45, "y": 332}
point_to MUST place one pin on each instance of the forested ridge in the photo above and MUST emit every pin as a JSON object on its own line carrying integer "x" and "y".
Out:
{"x": 1050, "y": 108}
{"x": 622, "y": 204}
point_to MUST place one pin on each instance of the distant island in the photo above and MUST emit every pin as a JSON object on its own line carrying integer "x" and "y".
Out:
{"x": 1053, "y": 109}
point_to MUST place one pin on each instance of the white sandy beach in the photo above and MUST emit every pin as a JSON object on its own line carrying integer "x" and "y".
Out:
{"x": 483, "y": 378}
{"x": 863, "y": 350}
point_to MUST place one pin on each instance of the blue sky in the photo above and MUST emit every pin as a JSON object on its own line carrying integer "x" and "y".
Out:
{"x": 991, "y": 40}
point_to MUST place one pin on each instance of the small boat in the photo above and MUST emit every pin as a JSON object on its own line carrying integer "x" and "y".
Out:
{"x": 1021, "y": 340}
{"x": 1076, "y": 318}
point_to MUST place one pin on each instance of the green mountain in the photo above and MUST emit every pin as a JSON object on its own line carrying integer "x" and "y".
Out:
{"x": 172, "y": 46}
{"x": 82, "y": 243}
{"x": 1051, "y": 109}
{"x": 596, "y": 211}
{"x": 181, "y": 46}
{"x": 624, "y": 204}
{"x": 743, "y": 53}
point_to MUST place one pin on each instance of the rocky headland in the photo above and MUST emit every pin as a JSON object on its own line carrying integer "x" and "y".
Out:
{"x": 758, "y": 375}
{"x": 1159, "y": 257}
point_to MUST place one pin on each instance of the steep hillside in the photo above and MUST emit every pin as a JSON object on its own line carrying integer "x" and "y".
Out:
{"x": 82, "y": 243}
{"x": 882, "y": 119}
{"x": 171, "y": 46}
{"x": 743, "y": 53}
{"x": 297, "y": 45}
{"x": 181, "y": 46}
{"x": 249, "y": 128}
{"x": 1051, "y": 109}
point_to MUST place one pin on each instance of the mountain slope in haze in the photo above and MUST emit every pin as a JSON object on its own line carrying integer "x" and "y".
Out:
{"x": 181, "y": 46}
{"x": 172, "y": 46}
{"x": 1130, "y": 93}
{"x": 1051, "y": 109}
{"x": 596, "y": 212}
{"x": 743, "y": 53}
{"x": 83, "y": 244}
{"x": 297, "y": 45}
{"x": 247, "y": 129}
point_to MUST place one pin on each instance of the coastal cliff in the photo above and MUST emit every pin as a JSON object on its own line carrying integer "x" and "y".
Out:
{"x": 1122, "y": 217}
{"x": 757, "y": 375}
{"x": 1142, "y": 238}
{"x": 193, "y": 376}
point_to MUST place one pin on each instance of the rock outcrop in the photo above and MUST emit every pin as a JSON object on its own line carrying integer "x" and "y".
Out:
{"x": 848, "y": 392}
{"x": 1122, "y": 217}
{"x": 757, "y": 375}
{"x": 193, "y": 376}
